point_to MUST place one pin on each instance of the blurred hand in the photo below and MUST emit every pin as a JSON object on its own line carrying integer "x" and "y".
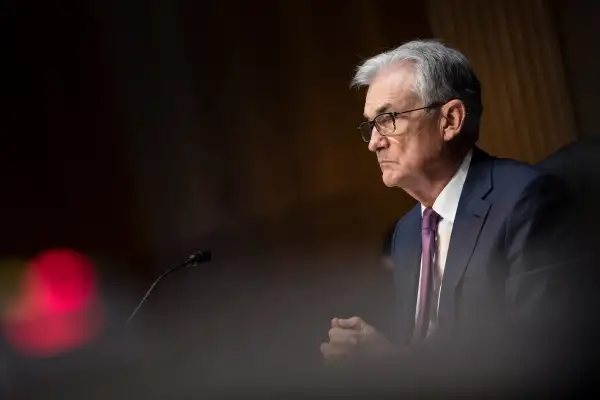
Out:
{"x": 352, "y": 337}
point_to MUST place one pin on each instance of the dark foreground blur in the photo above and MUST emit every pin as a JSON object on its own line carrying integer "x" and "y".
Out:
{"x": 250, "y": 335}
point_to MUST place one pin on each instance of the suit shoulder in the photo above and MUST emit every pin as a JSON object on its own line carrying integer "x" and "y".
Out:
{"x": 509, "y": 169}
{"x": 512, "y": 178}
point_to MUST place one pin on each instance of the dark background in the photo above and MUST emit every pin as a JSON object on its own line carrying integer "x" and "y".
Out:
{"x": 138, "y": 132}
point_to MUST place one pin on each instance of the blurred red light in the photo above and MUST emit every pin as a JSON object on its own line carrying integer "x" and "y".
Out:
{"x": 57, "y": 308}
{"x": 65, "y": 279}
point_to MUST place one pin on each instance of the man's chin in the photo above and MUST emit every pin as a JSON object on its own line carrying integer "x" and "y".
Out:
{"x": 390, "y": 179}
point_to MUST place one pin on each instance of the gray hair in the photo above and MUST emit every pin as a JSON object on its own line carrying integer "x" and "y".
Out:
{"x": 441, "y": 74}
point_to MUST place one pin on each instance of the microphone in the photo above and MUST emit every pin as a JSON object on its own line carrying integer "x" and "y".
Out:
{"x": 195, "y": 258}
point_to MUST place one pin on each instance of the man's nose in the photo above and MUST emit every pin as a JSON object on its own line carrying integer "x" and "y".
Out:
{"x": 377, "y": 141}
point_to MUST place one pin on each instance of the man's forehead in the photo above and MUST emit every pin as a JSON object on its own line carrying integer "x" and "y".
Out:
{"x": 392, "y": 86}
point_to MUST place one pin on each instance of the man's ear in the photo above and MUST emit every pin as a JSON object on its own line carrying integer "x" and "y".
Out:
{"x": 453, "y": 118}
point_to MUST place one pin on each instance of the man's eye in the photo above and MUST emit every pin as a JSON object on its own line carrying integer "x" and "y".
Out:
{"x": 384, "y": 119}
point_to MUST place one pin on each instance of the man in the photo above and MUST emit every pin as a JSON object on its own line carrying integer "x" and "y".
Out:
{"x": 487, "y": 258}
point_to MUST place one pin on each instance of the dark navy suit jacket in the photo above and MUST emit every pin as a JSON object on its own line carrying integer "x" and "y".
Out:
{"x": 513, "y": 257}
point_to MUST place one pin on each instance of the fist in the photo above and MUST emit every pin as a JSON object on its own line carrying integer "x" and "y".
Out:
{"x": 352, "y": 337}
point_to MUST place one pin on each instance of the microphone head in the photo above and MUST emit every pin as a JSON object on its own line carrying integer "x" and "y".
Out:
{"x": 201, "y": 256}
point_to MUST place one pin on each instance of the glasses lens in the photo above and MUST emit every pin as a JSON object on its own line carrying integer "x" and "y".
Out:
{"x": 365, "y": 131}
{"x": 385, "y": 124}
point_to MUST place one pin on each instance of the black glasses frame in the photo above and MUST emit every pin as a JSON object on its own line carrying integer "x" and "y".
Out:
{"x": 366, "y": 128}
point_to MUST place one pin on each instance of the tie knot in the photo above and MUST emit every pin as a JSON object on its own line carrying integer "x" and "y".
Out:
{"x": 430, "y": 219}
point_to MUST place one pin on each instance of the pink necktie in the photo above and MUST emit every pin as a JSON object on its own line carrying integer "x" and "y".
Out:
{"x": 428, "y": 229}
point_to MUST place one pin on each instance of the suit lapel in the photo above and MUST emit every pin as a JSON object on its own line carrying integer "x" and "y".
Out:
{"x": 470, "y": 217}
{"x": 407, "y": 258}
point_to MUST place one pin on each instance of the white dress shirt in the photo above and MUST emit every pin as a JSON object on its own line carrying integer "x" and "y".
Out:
{"x": 445, "y": 205}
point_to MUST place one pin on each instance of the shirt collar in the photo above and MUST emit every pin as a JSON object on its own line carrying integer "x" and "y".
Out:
{"x": 446, "y": 203}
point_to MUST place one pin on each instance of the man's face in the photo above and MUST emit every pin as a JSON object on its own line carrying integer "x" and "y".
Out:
{"x": 406, "y": 154}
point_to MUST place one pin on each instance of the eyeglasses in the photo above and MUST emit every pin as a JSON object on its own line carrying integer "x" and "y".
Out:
{"x": 385, "y": 123}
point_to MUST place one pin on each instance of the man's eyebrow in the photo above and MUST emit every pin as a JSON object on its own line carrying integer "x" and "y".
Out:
{"x": 382, "y": 109}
